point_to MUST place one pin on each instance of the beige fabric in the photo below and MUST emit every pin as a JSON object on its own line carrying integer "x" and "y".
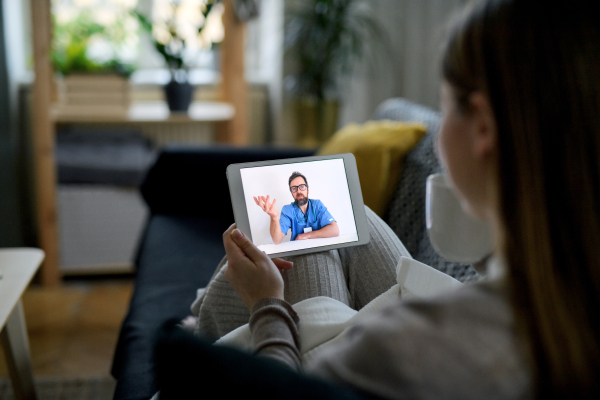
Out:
{"x": 353, "y": 275}
{"x": 324, "y": 320}
{"x": 459, "y": 345}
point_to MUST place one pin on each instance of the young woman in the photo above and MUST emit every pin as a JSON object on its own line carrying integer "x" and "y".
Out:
{"x": 521, "y": 143}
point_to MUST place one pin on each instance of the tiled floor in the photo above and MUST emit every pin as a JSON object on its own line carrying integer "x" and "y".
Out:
{"x": 73, "y": 329}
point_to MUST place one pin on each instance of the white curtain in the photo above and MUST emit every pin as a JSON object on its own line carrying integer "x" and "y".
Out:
{"x": 410, "y": 68}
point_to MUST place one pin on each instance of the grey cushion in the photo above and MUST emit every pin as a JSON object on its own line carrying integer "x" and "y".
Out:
{"x": 102, "y": 156}
{"x": 406, "y": 211}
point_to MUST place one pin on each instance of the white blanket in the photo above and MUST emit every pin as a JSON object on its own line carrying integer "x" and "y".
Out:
{"x": 323, "y": 320}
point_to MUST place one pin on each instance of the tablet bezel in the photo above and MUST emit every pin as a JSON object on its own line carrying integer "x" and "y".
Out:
{"x": 240, "y": 213}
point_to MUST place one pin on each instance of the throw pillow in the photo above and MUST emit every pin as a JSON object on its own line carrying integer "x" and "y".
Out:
{"x": 379, "y": 148}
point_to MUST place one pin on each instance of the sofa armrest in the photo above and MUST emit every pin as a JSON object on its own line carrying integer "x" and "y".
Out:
{"x": 184, "y": 361}
{"x": 193, "y": 181}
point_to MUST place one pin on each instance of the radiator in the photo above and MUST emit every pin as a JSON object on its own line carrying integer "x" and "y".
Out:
{"x": 99, "y": 227}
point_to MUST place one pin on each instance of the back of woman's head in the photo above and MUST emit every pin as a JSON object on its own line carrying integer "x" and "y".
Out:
{"x": 539, "y": 64}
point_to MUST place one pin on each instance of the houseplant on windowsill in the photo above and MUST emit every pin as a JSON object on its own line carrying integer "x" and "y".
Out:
{"x": 93, "y": 50}
{"x": 324, "y": 38}
{"x": 179, "y": 30}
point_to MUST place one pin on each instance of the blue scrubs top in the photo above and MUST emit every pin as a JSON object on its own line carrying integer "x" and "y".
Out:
{"x": 316, "y": 217}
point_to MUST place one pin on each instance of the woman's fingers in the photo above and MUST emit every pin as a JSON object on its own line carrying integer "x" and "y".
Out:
{"x": 231, "y": 248}
{"x": 250, "y": 271}
{"x": 249, "y": 249}
{"x": 282, "y": 264}
{"x": 228, "y": 231}
{"x": 236, "y": 243}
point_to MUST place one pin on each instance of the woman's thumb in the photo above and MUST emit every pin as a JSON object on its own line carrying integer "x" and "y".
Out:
{"x": 282, "y": 264}
{"x": 246, "y": 245}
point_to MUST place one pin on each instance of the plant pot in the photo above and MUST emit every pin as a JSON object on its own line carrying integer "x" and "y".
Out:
{"x": 179, "y": 95}
{"x": 317, "y": 120}
{"x": 94, "y": 95}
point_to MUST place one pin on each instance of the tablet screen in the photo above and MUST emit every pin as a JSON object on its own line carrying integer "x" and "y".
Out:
{"x": 308, "y": 203}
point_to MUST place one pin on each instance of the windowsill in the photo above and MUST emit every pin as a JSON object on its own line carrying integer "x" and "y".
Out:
{"x": 160, "y": 77}
{"x": 145, "y": 111}
{"x": 152, "y": 78}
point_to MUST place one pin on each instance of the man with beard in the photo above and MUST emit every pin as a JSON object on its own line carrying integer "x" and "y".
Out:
{"x": 308, "y": 218}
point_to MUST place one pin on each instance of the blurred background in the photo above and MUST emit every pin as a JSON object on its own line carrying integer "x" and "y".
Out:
{"x": 395, "y": 56}
{"x": 91, "y": 90}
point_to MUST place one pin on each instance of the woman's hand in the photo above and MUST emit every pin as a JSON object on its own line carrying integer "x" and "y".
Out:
{"x": 250, "y": 271}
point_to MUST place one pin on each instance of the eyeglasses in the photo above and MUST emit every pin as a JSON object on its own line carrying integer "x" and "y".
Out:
{"x": 302, "y": 187}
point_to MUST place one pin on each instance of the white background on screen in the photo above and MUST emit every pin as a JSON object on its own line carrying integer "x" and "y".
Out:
{"x": 326, "y": 181}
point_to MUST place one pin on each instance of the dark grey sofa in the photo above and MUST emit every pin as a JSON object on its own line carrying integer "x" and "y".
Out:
{"x": 187, "y": 193}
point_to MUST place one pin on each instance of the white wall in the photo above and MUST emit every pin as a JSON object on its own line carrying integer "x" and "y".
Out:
{"x": 411, "y": 67}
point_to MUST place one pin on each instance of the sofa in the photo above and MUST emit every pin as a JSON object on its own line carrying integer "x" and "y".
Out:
{"x": 187, "y": 194}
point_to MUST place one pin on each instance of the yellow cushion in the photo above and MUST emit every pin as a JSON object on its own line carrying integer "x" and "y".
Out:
{"x": 379, "y": 148}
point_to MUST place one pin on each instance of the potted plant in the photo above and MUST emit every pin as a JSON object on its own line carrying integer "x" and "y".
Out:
{"x": 93, "y": 50}
{"x": 324, "y": 38}
{"x": 179, "y": 29}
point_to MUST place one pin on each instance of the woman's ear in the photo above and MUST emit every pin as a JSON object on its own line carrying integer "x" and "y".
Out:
{"x": 485, "y": 131}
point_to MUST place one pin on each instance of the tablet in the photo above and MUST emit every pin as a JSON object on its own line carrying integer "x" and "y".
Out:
{"x": 299, "y": 205}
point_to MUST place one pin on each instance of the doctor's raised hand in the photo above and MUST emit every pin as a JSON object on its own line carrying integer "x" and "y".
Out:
{"x": 269, "y": 208}
{"x": 252, "y": 274}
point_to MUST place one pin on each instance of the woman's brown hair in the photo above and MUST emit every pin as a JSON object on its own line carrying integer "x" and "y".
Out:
{"x": 539, "y": 64}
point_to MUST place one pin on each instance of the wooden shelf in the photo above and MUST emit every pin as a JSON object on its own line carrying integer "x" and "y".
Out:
{"x": 147, "y": 111}
{"x": 232, "y": 112}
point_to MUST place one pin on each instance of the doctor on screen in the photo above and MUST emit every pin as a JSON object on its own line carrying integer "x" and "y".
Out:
{"x": 308, "y": 218}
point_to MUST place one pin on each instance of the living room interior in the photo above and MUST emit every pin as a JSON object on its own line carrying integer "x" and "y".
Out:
{"x": 92, "y": 93}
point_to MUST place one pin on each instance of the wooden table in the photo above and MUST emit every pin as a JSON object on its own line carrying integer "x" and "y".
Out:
{"x": 17, "y": 266}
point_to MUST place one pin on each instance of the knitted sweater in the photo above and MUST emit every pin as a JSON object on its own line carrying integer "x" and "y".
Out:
{"x": 460, "y": 345}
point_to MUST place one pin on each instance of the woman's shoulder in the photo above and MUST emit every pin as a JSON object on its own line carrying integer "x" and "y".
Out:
{"x": 453, "y": 316}
{"x": 461, "y": 342}
{"x": 484, "y": 305}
